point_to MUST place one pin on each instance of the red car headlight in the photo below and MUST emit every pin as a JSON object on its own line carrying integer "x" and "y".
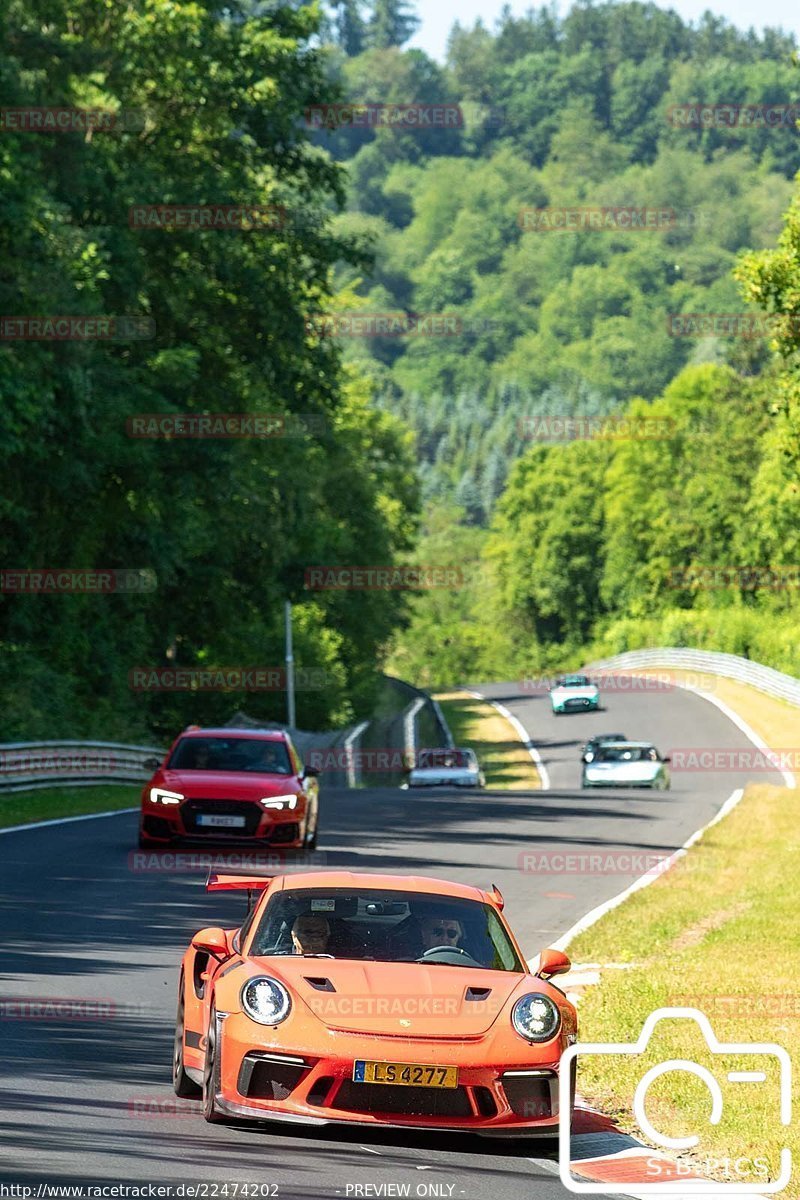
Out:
{"x": 163, "y": 796}
{"x": 282, "y": 803}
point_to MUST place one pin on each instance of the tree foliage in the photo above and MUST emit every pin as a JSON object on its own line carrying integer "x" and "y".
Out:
{"x": 227, "y": 526}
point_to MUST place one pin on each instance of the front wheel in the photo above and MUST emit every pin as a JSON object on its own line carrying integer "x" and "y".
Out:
{"x": 184, "y": 1087}
{"x": 210, "y": 1071}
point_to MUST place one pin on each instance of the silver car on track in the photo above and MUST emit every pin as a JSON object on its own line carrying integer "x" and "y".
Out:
{"x": 625, "y": 764}
{"x": 446, "y": 768}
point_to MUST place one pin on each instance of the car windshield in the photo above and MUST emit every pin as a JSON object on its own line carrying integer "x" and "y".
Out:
{"x": 384, "y": 926}
{"x": 575, "y": 681}
{"x": 256, "y": 755}
{"x": 625, "y": 754}
{"x": 448, "y": 759}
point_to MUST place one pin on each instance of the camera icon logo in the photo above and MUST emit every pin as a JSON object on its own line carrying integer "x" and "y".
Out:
{"x": 761, "y": 1050}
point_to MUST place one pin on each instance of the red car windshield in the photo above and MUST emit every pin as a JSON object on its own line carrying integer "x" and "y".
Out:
{"x": 255, "y": 755}
{"x": 384, "y": 926}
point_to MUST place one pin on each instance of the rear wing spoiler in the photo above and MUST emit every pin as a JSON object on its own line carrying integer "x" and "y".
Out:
{"x": 239, "y": 880}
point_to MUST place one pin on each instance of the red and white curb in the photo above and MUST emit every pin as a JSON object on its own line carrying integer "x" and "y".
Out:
{"x": 602, "y": 1153}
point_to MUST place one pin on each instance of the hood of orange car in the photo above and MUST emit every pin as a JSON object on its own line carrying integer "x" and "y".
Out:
{"x": 399, "y": 998}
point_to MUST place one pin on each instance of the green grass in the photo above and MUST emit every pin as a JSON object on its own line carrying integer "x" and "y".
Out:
{"x": 505, "y": 762}
{"x": 718, "y": 933}
{"x": 21, "y": 808}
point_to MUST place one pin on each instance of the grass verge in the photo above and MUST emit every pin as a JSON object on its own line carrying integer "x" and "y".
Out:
{"x": 22, "y": 808}
{"x": 720, "y": 934}
{"x": 504, "y": 760}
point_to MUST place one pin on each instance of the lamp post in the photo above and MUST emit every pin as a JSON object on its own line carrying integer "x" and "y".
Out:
{"x": 289, "y": 665}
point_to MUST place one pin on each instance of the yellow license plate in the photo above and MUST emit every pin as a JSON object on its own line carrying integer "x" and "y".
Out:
{"x": 405, "y": 1074}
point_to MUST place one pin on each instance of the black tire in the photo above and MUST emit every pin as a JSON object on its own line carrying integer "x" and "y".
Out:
{"x": 210, "y": 1110}
{"x": 184, "y": 1087}
{"x": 146, "y": 843}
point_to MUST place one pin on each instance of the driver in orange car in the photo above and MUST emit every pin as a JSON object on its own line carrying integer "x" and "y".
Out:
{"x": 310, "y": 934}
{"x": 440, "y": 931}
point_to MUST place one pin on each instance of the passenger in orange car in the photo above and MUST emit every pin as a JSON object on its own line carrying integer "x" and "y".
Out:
{"x": 310, "y": 934}
{"x": 440, "y": 931}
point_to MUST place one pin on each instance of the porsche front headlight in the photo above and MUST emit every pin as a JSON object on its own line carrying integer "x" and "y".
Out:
{"x": 535, "y": 1017}
{"x": 266, "y": 1000}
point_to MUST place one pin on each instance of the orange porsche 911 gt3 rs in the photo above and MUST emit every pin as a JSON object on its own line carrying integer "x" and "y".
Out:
{"x": 371, "y": 999}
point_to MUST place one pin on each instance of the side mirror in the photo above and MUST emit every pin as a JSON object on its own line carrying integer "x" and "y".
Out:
{"x": 667, "y": 758}
{"x": 212, "y": 941}
{"x": 310, "y": 773}
{"x": 151, "y": 764}
{"x": 553, "y": 962}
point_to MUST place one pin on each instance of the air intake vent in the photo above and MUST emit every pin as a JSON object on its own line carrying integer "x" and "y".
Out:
{"x": 320, "y": 983}
{"x": 478, "y": 993}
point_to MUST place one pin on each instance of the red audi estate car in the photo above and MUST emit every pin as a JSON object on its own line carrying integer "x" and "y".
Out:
{"x": 245, "y": 786}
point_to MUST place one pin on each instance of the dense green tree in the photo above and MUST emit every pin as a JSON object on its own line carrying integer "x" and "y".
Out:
{"x": 392, "y": 23}
{"x": 229, "y": 527}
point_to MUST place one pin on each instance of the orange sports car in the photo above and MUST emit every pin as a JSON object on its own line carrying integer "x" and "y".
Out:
{"x": 371, "y": 999}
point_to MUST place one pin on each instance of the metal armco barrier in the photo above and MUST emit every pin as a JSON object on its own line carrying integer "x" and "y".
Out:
{"x": 731, "y": 666}
{"x": 26, "y": 766}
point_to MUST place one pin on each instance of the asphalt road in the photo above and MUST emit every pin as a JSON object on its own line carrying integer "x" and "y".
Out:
{"x": 86, "y": 1097}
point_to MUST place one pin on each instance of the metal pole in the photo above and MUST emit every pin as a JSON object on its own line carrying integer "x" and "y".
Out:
{"x": 289, "y": 665}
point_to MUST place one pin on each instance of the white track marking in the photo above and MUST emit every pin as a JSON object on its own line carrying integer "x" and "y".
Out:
{"x": 117, "y": 812}
{"x": 523, "y": 735}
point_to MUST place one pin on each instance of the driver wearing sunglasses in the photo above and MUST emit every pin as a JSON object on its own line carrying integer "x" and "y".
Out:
{"x": 440, "y": 931}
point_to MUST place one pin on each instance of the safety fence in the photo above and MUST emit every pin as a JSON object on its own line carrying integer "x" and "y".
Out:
{"x": 730, "y": 666}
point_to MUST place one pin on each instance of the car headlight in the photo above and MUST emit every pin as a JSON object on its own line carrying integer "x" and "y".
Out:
{"x": 162, "y": 796}
{"x": 280, "y": 802}
{"x": 535, "y": 1017}
{"x": 266, "y": 1000}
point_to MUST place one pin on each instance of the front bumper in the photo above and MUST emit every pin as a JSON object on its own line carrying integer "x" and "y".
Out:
{"x": 608, "y": 781}
{"x": 576, "y": 704}
{"x": 286, "y": 1084}
{"x": 180, "y": 823}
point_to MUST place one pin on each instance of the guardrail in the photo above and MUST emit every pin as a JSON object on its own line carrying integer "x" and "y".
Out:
{"x": 731, "y": 666}
{"x": 26, "y": 766}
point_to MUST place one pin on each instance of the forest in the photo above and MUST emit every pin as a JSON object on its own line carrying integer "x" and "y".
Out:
{"x": 408, "y": 308}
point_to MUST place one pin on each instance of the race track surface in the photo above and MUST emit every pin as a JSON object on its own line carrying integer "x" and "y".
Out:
{"x": 87, "y": 1097}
